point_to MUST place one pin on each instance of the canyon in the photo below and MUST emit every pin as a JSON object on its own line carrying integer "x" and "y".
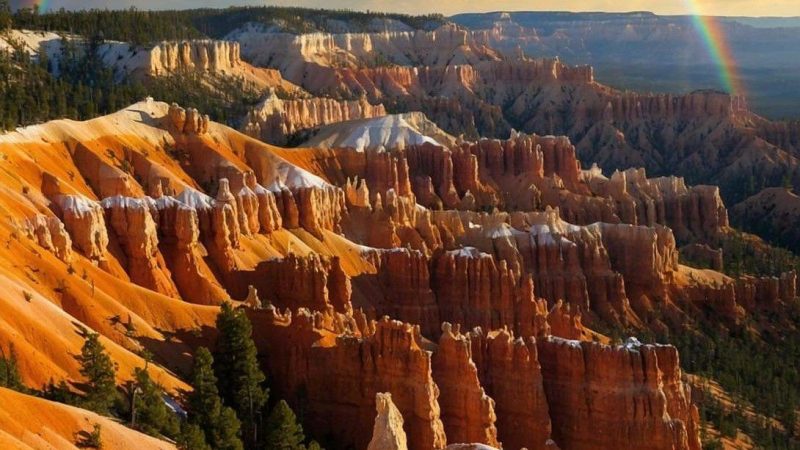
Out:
{"x": 440, "y": 242}
{"x": 466, "y": 87}
{"x": 371, "y": 271}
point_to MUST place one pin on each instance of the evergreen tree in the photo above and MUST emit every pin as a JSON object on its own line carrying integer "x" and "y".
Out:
{"x": 150, "y": 414}
{"x": 282, "y": 432}
{"x": 228, "y": 426}
{"x": 99, "y": 371}
{"x": 191, "y": 437}
{"x": 5, "y": 16}
{"x": 219, "y": 422}
{"x": 236, "y": 368}
{"x": 9, "y": 371}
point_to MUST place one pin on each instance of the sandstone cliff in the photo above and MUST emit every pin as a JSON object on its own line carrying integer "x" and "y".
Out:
{"x": 201, "y": 55}
{"x": 590, "y": 417}
{"x": 510, "y": 371}
{"x": 277, "y": 121}
{"x": 461, "y": 391}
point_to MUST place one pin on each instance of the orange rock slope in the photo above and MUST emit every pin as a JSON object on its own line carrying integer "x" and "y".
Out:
{"x": 364, "y": 273}
{"x": 30, "y": 423}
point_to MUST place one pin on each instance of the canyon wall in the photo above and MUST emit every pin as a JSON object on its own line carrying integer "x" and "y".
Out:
{"x": 657, "y": 412}
{"x": 276, "y": 121}
{"x": 195, "y": 55}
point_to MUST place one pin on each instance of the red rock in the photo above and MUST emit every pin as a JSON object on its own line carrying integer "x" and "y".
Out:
{"x": 179, "y": 231}
{"x": 509, "y": 371}
{"x": 339, "y": 379}
{"x": 133, "y": 226}
{"x": 651, "y": 412}
{"x": 467, "y": 412}
{"x": 320, "y": 209}
{"x": 314, "y": 282}
{"x": 405, "y": 281}
{"x": 474, "y": 290}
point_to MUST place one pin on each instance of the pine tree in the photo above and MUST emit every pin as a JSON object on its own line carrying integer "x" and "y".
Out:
{"x": 151, "y": 414}
{"x": 9, "y": 371}
{"x": 314, "y": 445}
{"x": 191, "y": 437}
{"x": 5, "y": 16}
{"x": 282, "y": 432}
{"x": 219, "y": 422}
{"x": 99, "y": 371}
{"x": 227, "y": 429}
{"x": 236, "y": 368}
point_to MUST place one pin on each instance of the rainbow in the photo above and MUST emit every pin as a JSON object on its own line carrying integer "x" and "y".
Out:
{"x": 716, "y": 43}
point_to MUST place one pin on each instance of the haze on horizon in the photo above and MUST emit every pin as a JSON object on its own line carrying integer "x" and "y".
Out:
{"x": 754, "y": 8}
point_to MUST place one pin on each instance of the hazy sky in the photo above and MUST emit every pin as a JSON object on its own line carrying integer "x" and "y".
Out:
{"x": 710, "y": 7}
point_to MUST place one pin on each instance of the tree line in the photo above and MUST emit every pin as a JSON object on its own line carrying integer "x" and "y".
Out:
{"x": 85, "y": 88}
{"x": 147, "y": 27}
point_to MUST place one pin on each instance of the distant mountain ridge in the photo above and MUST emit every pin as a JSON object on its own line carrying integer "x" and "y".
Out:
{"x": 645, "y": 51}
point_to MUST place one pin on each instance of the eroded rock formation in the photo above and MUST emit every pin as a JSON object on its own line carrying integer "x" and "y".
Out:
{"x": 655, "y": 410}
{"x": 318, "y": 245}
{"x": 135, "y": 231}
{"x": 199, "y": 55}
{"x": 467, "y": 412}
{"x": 387, "y": 434}
{"x": 275, "y": 121}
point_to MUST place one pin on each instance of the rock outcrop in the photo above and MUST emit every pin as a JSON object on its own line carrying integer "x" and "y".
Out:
{"x": 655, "y": 411}
{"x": 312, "y": 282}
{"x": 404, "y": 277}
{"x": 84, "y": 221}
{"x": 467, "y": 412}
{"x": 529, "y": 172}
{"x": 476, "y": 290}
{"x": 464, "y": 86}
{"x": 691, "y": 212}
{"x": 178, "y": 233}
{"x": 509, "y": 370}
{"x": 387, "y": 434}
{"x": 290, "y": 53}
{"x": 51, "y": 234}
{"x": 344, "y": 377}
{"x": 188, "y": 121}
{"x": 348, "y": 277}
{"x": 195, "y": 55}
{"x": 276, "y": 121}
{"x": 135, "y": 231}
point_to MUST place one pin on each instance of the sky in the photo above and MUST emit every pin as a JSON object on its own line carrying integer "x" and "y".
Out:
{"x": 448, "y": 7}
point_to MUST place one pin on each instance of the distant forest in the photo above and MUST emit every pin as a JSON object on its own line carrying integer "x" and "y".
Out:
{"x": 146, "y": 27}
{"x": 30, "y": 93}
{"x": 86, "y": 88}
